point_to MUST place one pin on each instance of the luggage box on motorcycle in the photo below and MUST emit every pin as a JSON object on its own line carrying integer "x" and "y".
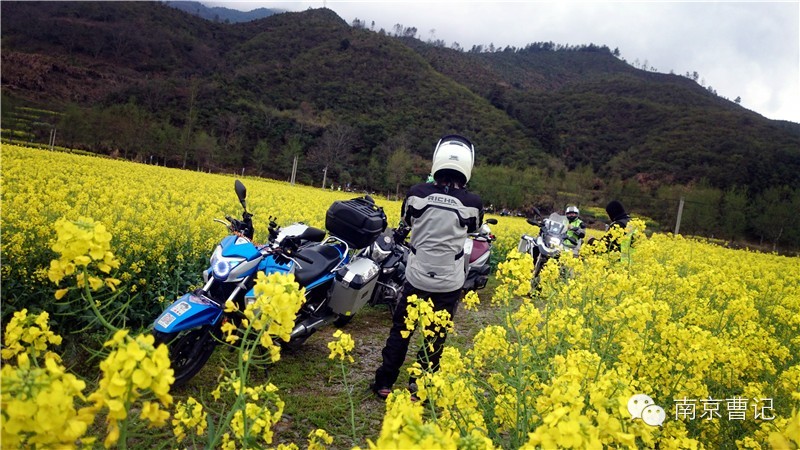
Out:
{"x": 525, "y": 244}
{"x": 358, "y": 222}
{"x": 353, "y": 286}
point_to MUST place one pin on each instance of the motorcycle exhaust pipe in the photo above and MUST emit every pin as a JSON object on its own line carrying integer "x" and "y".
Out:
{"x": 309, "y": 326}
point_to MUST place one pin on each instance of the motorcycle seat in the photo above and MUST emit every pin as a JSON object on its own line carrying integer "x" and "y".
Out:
{"x": 478, "y": 249}
{"x": 323, "y": 259}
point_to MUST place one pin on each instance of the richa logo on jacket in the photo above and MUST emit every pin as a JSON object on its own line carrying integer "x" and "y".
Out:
{"x": 442, "y": 199}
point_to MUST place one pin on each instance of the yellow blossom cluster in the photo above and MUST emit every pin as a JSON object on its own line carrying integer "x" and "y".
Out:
{"x": 189, "y": 416}
{"x": 133, "y": 369}
{"x": 405, "y": 428}
{"x": 341, "y": 346}
{"x": 84, "y": 249}
{"x": 258, "y": 409}
{"x": 471, "y": 301}
{"x": 38, "y": 396}
{"x": 422, "y": 315}
{"x": 514, "y": 276}
{"x": 29, "y": 334}
{"x": 272, "y": 314}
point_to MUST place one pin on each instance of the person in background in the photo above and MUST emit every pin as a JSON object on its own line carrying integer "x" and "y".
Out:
{"x": 576, "y": 231}
{"x": 439, "y": 216}
{"x": 619, "y": 219}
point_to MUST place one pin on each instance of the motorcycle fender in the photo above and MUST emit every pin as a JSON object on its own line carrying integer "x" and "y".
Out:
{"x": 187, "y": 312}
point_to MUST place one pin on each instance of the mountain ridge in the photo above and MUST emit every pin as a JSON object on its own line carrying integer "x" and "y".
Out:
{"x": 305, "y": 73}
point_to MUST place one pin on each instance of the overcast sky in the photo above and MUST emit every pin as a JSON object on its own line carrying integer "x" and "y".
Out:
{"x": 741, "y": 49}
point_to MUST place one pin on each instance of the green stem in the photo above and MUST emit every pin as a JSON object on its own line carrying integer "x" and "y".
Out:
{"x": 92, "y": 305}
{"x": 350, "y": 398}
{"x": 237, "y": 405}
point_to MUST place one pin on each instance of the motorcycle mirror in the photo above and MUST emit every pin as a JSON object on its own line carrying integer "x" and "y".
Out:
{"x": 491, "y": 221}
{"x": 369, "y": 199}
{"x": 531, "y": 221}
{"x": 537, "y": 212}
{"x": 241, "y": 192}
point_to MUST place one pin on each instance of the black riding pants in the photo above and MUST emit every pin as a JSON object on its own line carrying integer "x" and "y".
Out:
{"x": 394, "y": 353}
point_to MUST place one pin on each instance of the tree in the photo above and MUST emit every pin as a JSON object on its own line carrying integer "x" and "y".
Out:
{"x": 701, "y": 210}
{"x": 203, "y": 148}
{"x": 772, "y": 216}
{"x": 261, "y": 155}
{"x": 398, "y": 168}
{"x": 733, "y": 213}
{"x": 333, "y": 149}
{"x": 191, "y": 119}
{"x": 285, "y": 160}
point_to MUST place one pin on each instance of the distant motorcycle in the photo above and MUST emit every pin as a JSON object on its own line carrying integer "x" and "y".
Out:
{"x": 548, "y": 244}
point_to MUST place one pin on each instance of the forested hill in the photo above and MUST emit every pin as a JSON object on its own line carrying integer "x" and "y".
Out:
{"x": 221, "y": 14}
{"x": 147, "y": 80}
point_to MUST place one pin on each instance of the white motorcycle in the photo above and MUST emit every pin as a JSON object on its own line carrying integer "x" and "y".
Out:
{"x": 548, "y": 244}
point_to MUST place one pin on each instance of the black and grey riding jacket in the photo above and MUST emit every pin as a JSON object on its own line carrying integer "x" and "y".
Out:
{"x": 440, "y": 218}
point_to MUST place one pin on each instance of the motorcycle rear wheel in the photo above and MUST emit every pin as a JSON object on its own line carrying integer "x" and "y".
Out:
{"x": 189, "y": 350}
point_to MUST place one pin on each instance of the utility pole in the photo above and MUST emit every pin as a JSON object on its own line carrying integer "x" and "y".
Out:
{"x": 52, "y": 137}
{"x": 680, "y": 213}
{"x": 294, "y": 169}
{"x": 324, "y": 176}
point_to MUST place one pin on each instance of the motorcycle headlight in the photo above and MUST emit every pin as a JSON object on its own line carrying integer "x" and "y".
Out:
{"x": 222, "y": 266}
{"x": 378, "y": 254}
{"x": 553, "y": 242}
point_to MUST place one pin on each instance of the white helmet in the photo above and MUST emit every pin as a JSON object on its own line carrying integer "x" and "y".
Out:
{"x": 456, "y": 153}
{"x": 572, "y": 209}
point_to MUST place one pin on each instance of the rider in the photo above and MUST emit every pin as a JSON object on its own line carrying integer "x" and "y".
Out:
{"x": 577, "y": 229}
{"x": 619, "y": 219}
{"x": 440, "y": 215}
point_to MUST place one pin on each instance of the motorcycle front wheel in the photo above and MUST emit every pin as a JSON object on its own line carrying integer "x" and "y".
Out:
{"x": 536, "y": 269}
{"x": 189, "y": 350}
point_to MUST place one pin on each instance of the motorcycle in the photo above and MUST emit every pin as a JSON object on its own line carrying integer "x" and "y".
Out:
{"x": 478, "y": 251}
{"x": 337, "y": 283}
{"x": 390, "y": 252}
{"x": 548, "y": 244}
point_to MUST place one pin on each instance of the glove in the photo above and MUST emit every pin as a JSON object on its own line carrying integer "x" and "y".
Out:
{"x": 400, "y": 234}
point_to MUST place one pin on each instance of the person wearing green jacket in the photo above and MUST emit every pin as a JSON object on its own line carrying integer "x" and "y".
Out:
{"x": 576, "y": 231}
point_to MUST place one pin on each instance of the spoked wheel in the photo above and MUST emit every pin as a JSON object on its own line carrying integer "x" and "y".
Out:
{"x": 188, "y": 350}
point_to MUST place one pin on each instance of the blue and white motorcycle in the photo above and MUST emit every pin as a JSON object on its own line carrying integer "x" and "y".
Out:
{"x": 337, "y": 281}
